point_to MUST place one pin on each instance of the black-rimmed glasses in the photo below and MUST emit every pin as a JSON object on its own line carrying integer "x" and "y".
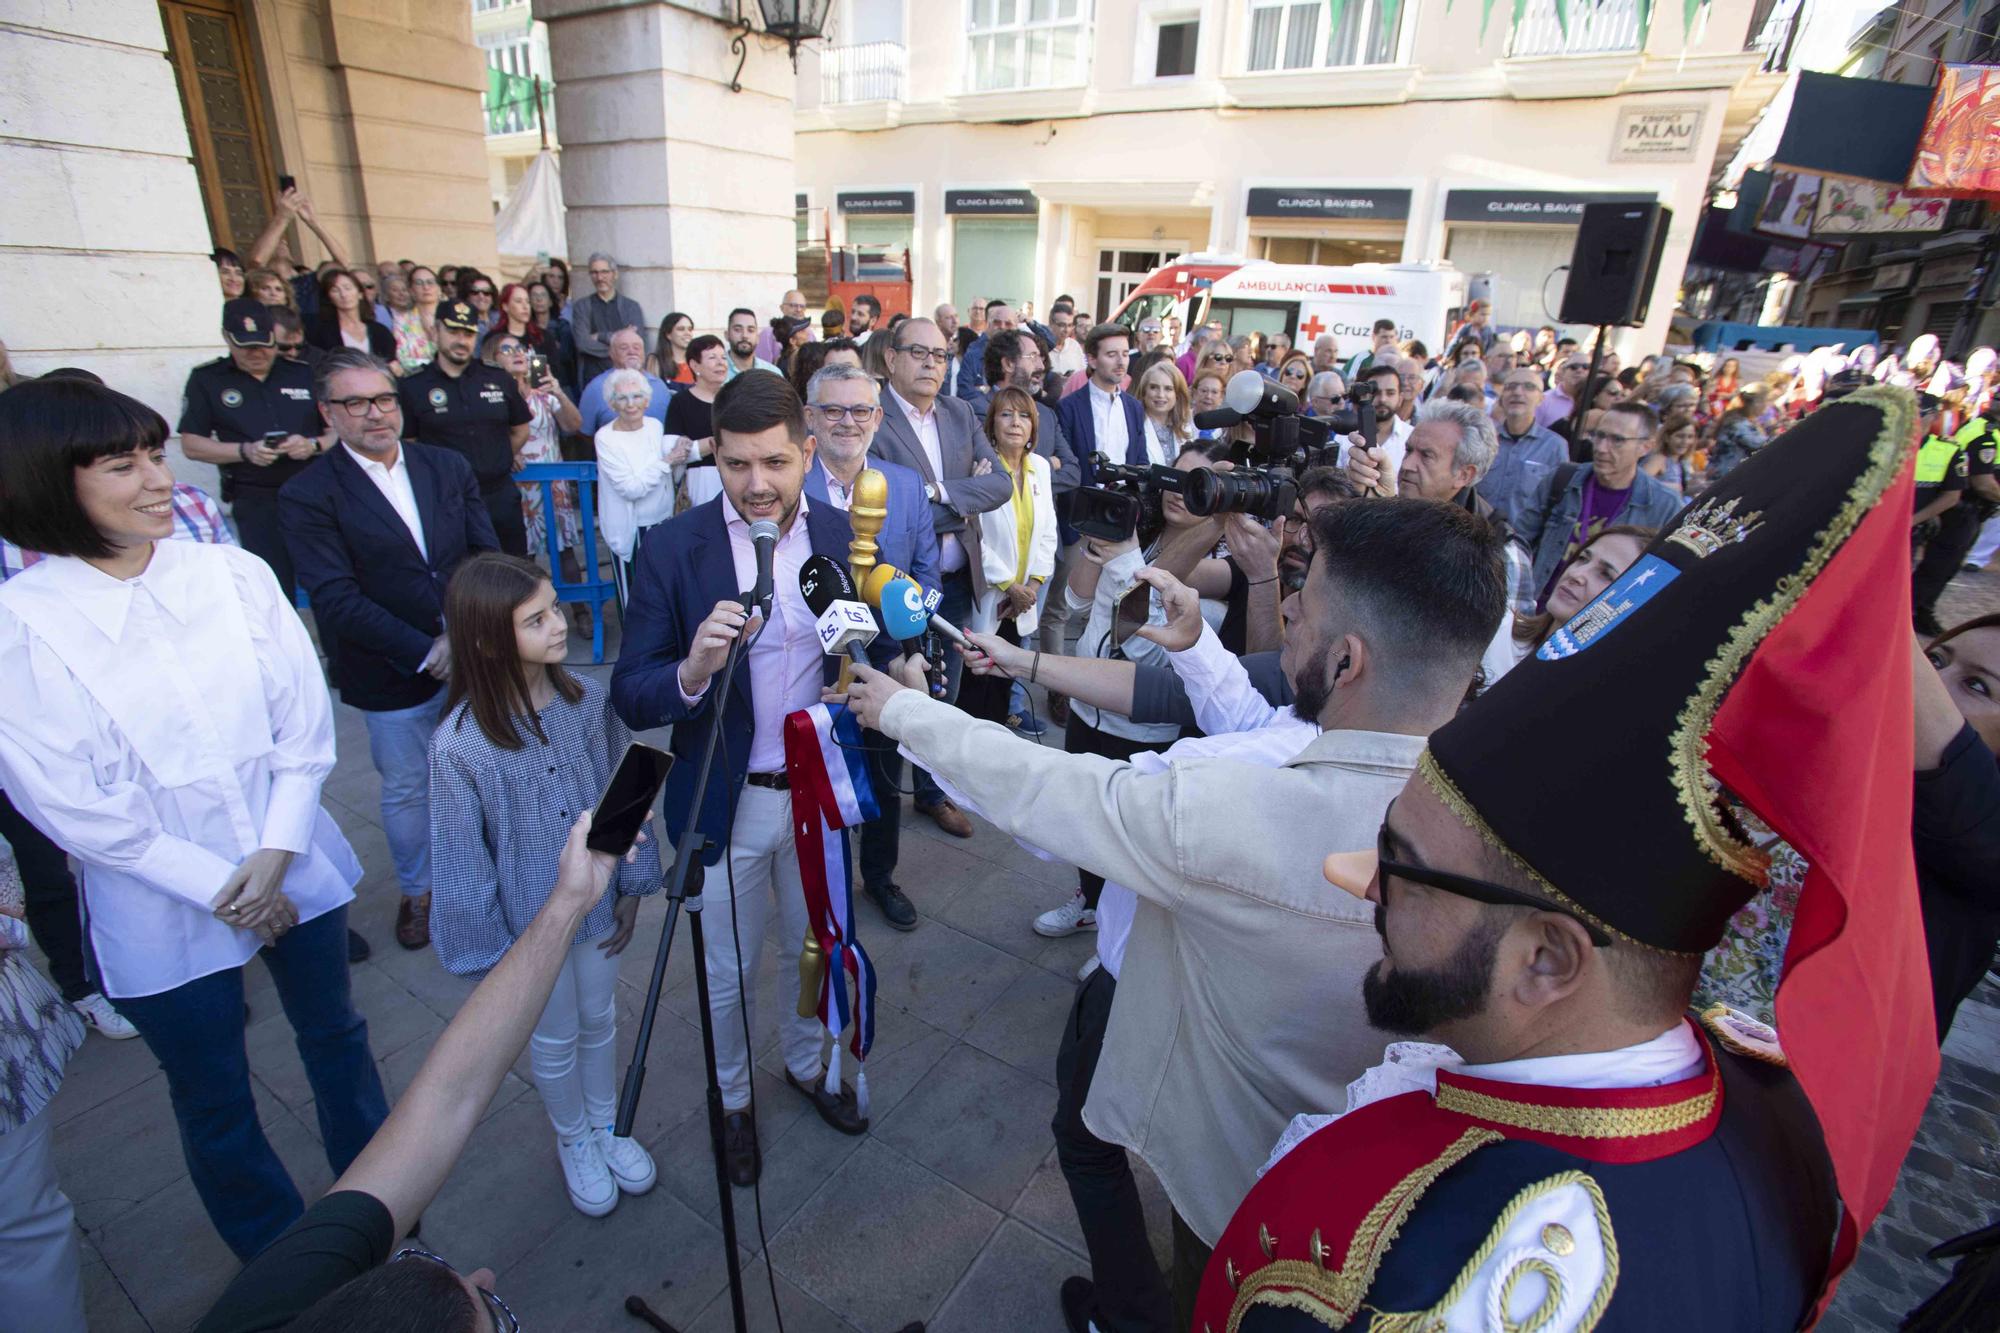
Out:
{"x": 383, "y": 403}
{"x": 1466, "y": 886}
{"x": 503, "y": 1318}
{"x": 930, "y": 356}
{"x": 835, "y": 412}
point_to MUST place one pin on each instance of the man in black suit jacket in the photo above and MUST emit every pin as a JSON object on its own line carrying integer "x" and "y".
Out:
{"x": 375, "y": 528}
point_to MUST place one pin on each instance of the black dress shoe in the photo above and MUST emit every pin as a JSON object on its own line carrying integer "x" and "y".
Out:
{"x": 739, "y": 1148}
{"x": 896, "y": 908}
{"x": 1079, "y": 1300}
{"x": 357, "y": 948}
{"x": 839, "y": 1111}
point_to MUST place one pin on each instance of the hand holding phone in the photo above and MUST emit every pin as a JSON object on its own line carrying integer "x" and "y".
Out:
{"x": 538, "y": 370}
{"x": 627, "y": 803}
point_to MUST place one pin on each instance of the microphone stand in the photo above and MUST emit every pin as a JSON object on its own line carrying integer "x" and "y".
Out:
{"x": 686, "y": 848}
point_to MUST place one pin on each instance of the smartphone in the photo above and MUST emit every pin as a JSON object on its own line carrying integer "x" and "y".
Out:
{"x": 1134, "y": 609}
{"x": 287, "y": 183}
{"x": 628, "y": 802}
{"x": 538, "y": 369}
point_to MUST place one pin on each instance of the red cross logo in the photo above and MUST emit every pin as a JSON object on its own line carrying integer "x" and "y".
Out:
{"x": 1312, "y": 328}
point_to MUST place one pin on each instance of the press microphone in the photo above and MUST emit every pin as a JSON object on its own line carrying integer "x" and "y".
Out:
{"x": 904, "y": 615}
{"x": 764, "y": 538}
{"x": 842, "y": 622}
{"x": 875, "y": 591}
{"x": 1249, "y": 395}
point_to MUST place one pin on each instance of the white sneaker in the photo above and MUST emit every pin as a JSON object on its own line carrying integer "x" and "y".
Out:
{"x": 589, "y": 1181}
{"x": 97, "y": 1012}
{"x": 1088, "y": 966}
{"x": 1068, "y": 919}
{"x": 629, "y": 1164}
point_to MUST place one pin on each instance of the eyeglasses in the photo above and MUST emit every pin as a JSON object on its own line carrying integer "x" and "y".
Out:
{"x": 930, "y": 356}
{"x": 1220, "y": 358}
{"x": 383, "y": 403}
{"x": 290, "y": 349}
{"x": 1330, "y": 399}
{"x": 482, "y": 291}
{"x": 1606, "y": 437}
{"x": 510, "y": 349}
{"x": 503, "y": 1318}
{"x": 629, "y": 397}
{"x": 1466, "y": 886}
{"x": 836, "y": 413}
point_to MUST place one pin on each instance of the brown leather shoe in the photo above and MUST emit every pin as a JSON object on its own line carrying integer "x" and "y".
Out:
{"x": 949, "y": 818}
{"x": 413, "y": 922}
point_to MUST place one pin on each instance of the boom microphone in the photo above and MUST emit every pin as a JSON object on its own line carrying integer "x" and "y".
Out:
{"x": 1249, "y": 395}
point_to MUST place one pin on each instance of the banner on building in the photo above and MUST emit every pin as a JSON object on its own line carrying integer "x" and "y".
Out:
{"x": 1849, "y": 207}
{"x": 1789, "y": 205}
{"x": 1959, "y": 150}
{"x": 1330, "y": 202}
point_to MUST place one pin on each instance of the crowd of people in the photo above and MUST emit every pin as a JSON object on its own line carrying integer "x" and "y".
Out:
{"x": 1310, "y": 771}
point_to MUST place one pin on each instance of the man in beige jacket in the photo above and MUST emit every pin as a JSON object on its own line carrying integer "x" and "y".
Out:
{"x": 1239, "y": 1000}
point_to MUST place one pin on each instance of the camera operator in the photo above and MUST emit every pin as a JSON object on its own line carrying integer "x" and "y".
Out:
{"x": 1240, "y": 972}
{"x": 1392, "y": 433}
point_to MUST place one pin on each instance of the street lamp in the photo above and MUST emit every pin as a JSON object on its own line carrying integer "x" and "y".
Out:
{"x": 794, "y": 21}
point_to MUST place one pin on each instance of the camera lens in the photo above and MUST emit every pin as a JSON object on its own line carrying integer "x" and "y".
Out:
{"x": 1264, "y": 495}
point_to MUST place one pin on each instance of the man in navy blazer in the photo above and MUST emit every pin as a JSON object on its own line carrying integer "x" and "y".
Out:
{"x": 1099, "y": 418}
{"x": 375, "y": 528}
{"x": 686, "y": 611}
{"x": 936, "y": 436}
{"x": 843, "y": 406}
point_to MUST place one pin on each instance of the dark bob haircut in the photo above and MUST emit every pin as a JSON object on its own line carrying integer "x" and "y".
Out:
{"x": 48, "y": 429}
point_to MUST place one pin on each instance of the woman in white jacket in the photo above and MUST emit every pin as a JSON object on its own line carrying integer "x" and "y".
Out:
{"x": 1017, "y": 546}
{"x": 638, "y": 471}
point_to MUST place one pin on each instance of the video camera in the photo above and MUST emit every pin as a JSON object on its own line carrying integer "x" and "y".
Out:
{"x": 1263, "y": 482}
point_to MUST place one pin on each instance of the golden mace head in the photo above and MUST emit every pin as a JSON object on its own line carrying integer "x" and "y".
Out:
{"x": 870, "y": 508}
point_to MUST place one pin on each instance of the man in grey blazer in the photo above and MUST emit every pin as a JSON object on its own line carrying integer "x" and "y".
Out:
{"x": 936, "y": 435}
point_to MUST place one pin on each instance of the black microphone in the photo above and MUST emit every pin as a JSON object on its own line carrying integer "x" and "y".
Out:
{"x": 764, "y": 537}
{"x": 842, "y": 622}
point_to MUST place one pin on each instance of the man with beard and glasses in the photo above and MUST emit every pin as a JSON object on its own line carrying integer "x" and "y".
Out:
{"x": 1235, "y": 972}
{"x": 1581, "y": 1152}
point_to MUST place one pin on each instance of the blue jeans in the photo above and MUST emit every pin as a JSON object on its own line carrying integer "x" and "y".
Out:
{"x": 195, "y": 1031}
{"x": 399, "y": 741}
{"x": 956, "y": 607}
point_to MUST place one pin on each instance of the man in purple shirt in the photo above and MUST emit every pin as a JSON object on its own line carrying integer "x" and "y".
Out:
{"x": 1560, "y": 401}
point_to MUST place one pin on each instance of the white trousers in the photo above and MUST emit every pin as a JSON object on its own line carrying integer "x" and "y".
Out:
{"x": 575, "y": 1044}
{"x": 765, "y": 863}
{"x": 41, "y": 1265}
{"x": 1988, "y": 544}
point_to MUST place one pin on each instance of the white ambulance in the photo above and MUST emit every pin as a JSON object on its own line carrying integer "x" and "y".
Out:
{"x": 1303, "y": 301}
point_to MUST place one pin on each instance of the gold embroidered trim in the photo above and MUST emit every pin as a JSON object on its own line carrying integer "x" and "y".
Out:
{"x": 1433, "y": 1319}
{"x": 1454, "y": 800}
{"x": 1334, "y": 1297}
{"x": 1688, "y": 747}
{"x": 1583, "y": 1122}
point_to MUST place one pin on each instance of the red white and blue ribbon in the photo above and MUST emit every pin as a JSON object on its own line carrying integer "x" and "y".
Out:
{"x": 830, "y": 795}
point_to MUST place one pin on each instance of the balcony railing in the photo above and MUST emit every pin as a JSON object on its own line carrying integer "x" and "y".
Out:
{"x": 863, "y": 72}
{"x": 1594, "y": 29}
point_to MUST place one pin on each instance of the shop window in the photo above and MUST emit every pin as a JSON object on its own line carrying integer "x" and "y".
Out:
{"x": 993, "y": 258}
{"x": 1287, "y": 35}
{"x": 1025, "y": 44}
{"x": 1175, "y": 57}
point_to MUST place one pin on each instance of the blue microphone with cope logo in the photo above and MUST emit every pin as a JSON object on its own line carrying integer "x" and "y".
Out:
{"x": 886, "y": 585}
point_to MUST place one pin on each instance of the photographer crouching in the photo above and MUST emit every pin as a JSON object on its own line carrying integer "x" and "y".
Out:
{"x": 1241, "y": 972}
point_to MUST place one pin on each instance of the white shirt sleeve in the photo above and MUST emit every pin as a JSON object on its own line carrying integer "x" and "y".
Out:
{"x": 105, "y": 818}
{"x": 300, "y": 709}
{"x": 1219, "y": 689}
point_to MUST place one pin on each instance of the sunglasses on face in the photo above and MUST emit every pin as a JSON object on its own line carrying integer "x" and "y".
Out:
{"x": 503, "y": 1318}
{"x": 1467, "y": 886}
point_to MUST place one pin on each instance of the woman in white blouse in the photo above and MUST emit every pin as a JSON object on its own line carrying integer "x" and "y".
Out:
{"x": 638, "y": 472}
{"x": 1169, "y": 411}
{"x": 1017, "y": 546}
{"x": 167, "y": 725}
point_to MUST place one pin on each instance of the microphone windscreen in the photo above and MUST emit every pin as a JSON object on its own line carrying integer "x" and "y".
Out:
{"x": 764, "y": 530}
{"x": 1245, "y": 391}
{"x": 903, "y": 613}
{"x": 824, "y": 581}
{"x": 1218, "y": 418}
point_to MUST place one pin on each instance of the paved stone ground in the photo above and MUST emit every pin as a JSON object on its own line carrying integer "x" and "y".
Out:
{"x": 951, "y": 1209}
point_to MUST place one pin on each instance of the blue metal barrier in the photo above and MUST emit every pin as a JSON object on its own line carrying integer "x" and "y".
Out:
{"x": 593, "y": 591}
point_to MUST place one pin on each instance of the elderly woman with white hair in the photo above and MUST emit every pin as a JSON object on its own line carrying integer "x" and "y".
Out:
{"x": 638, "y": 472}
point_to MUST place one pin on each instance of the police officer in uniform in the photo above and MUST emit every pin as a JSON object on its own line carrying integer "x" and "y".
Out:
{"x": 1968, "y": 460}
{"x": 252, "y": 413}
{"x": 458, "y": 402}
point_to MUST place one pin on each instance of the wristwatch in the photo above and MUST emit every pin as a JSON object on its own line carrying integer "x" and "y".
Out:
{"x": 931, "y": 491}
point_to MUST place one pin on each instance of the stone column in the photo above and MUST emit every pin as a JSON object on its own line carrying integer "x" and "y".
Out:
{"x": 103, "y": 240}
{"x": 687, "y": 184}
